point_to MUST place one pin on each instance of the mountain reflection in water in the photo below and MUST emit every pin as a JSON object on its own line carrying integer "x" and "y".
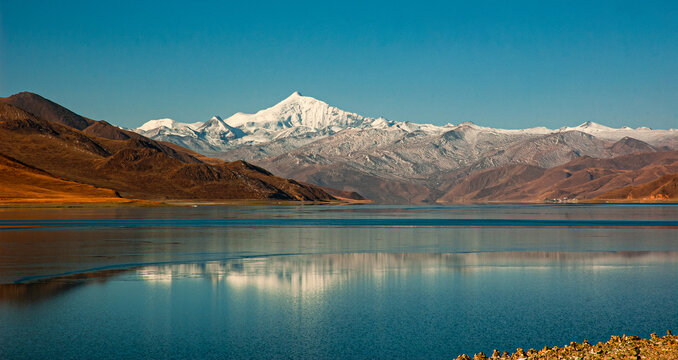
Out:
{"x": 344, "y": 281}
{"x": 312, "y": 273}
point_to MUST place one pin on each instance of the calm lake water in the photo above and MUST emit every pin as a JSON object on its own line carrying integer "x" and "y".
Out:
{"x": 331, "y": 281}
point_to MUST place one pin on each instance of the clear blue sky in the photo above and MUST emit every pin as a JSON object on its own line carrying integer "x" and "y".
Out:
{"x": 505, "y": 63}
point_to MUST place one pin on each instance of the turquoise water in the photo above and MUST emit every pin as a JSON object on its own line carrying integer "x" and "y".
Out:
{"x": 331, "y": 281}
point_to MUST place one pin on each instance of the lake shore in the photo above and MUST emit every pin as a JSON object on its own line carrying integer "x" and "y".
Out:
{"x": 76, "y": 203}
{"x": 618, "y": 347}
{"x": 129, "y": 202}
{"x": 355, "y": 282}
{"x": 125, "y": 202}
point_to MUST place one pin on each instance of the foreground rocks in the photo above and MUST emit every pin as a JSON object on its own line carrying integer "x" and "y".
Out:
{"x": 624, "y": 347}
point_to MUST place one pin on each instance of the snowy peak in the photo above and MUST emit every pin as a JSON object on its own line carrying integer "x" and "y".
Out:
{"x": 216, "y": 129}
{"x": 381, "y": 123}
{"x": 215, "y": 123}
{"x": 593, "y": 126}
{"x": 296, "y": 111}
{"x": 154, "y": 124}
{"x": 608, "y": 133}
{"x": 299, "y": 119}
{"x": 168, "y": 123}
{"x": 590, "y": 126}
{"x": 296, "y": 95}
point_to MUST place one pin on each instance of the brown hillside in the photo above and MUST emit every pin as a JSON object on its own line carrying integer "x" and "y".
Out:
{"x": 372, "y": 187}
{"x": 47, "y": 110}
{"x": 136, "y": 167}
{"x": 493, "y": 183}
{"x": 664, "y": 188}
{"x": 581, "y": 178}
{"x": 629, "y": 145}
{"x": 53, "y": 112}
{"x": 20, "y": 183}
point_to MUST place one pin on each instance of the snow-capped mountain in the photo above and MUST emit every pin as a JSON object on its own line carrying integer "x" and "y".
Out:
{"x": 217, "y": 132}
{"x": 296, "y": 116}
{"x": 388, "y": 161}
{"x": 307, "y": 119}
{"x": 604, "y": 132}
{"x": 296, "y": 111}
{"x": 168, "y": 123}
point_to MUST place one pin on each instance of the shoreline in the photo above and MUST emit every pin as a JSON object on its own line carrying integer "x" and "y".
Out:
{"x": 134, "y": 203}
{"x": 589, "y": 201}
{"x": 618, "y": 347}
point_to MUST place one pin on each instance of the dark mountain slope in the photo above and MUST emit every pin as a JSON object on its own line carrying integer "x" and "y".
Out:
{"x": 134, "y": 166}
{"x": 581, "y": 178}
{"x": 20, "y": 183}
{"x": 664, "y": 188}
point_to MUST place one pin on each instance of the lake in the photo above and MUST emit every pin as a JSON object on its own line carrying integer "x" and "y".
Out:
{"x": 331, "y": 281}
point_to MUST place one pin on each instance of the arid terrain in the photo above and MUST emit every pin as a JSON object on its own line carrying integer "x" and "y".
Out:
{"x": 20, "y": 183}
{"x": 406, "y": 162}
{"x": 582, "y": 178}
{"x": 51, "y": 154}
{"x": 617, "y": 348}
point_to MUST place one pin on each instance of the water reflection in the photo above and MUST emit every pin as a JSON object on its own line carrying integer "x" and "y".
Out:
{"x": 81, "y": 239}
{"x": 28, "y": 255}
{"x": 307, "y": 274}
{"x": 27, "y": 293}
{"x": 315, "y": 272}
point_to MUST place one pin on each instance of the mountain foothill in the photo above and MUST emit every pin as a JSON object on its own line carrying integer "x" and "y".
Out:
{"x": 49, "y": 154}
{"x": 405, "y": 162}
{"x": 303, "y": 149}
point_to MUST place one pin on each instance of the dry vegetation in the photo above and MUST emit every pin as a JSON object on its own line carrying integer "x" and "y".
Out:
{"x": 60, "y": 156}
{"x": 618, "y": 347}
{"x": 21, "y": 184}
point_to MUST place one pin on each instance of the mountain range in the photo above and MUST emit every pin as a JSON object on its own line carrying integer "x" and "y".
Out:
{"x": 406, "y": 162}
{"x": 51, "y": 154}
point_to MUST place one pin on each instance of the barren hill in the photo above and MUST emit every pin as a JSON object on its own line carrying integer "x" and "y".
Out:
{"x": 664, "y": 188}
{"x": 20, "y": 183}
{"x": 72, "y": 148}
{"x": 396, "y": 162}
{"x": 582, "y": 178}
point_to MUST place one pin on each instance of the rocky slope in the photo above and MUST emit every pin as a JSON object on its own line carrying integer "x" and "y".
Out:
{"x": 63, "y": 145}
{"x": 297, "y": 119}
{"x": 582, "y": 178}
{"x": 20, "y": 183}
{"x": 618, "y": 347}
{"x": 395, "y": 162}
{"x": 664, "y": 188}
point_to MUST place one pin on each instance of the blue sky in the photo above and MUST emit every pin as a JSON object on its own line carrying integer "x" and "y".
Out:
{"x": 505, "y": 64}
